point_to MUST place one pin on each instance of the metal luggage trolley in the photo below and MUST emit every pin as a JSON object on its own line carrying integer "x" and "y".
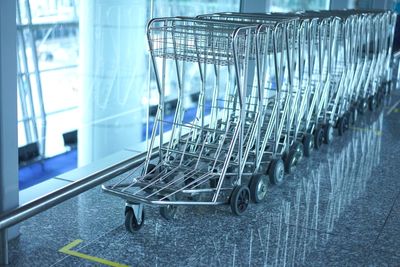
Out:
{"x": 283, "y": 103}
{"x": 332, "y": 98}
{"x": 379, "y": 58}
{"x": 367, "y": 38}
{"x": 203, "y": 161}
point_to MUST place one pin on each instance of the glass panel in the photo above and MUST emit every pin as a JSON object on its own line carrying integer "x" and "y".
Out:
{"x": 60, "y": 89}
{"x": 94, "y": 72}
{"x": 296, "y": 5}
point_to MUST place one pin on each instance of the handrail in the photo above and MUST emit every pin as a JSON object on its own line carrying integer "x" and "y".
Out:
{"x": 58, "y": 196}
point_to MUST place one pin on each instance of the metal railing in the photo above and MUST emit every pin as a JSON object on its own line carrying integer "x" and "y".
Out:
{"x": 56, "y": 197}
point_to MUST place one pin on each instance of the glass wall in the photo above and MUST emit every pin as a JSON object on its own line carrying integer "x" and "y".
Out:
{"x": 296, "y": 5}
{"x": 84, "y": 69}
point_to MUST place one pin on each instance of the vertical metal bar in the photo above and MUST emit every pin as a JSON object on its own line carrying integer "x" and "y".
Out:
{"x": 162, "y": 95}
{"x": 28, "y": 89}
{"x": 8, "y": 118}
{"x": 3, "y": 247}
{"x": 37, "y": 74}
{"x": 24, "y": 109}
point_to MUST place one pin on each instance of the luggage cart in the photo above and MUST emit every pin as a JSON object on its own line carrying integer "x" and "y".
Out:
{"x": 203, "y": 162}
{"x": 367, "y": 42}
{"x": 278, "y": 135}
{"x": 273, "y": 80}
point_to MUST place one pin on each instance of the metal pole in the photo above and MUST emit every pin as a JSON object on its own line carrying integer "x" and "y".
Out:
{"x": 3, "y": 247}
{"x": 39, "y": 90}
{"x": 52, "y": 199}
{"x": 8, "y": 118}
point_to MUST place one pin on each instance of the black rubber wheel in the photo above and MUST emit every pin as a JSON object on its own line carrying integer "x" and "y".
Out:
{"x": 168, "y": 212}
{"x": 372, "y": 103}
{"x": 298, "y": 146}
{"x": 240, "y": 198}
{"x": 214, "y": 181}
{"x": 318, "y": 137}
{"x": 276, "y": 171}
{"x": 379, "y": 99}
{"x": 131, "y": 223}
{"x": 342, "y": 125}
{"x": 353, "y": 115}
{"x": 258, "y": 187}
{"x": 328, "y": 133}
{"x": 151, "y": 168}
{"x": 308, "y": 144}
{"x": 362, "y": 106}
{"x": 290, "y": 161}
{"x": 347, "y": 116}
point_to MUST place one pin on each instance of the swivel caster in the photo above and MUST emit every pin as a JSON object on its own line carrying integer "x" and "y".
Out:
{"x": 239, "y": 200}
{"x": 318, "y": 137}
{"x": 342, "y": 125}
{"x": 134, "y": 217}
{"x": 328, "y": 133}
{"x": 276, "y": 171}
{"x": 168, "y": 212}
{"x": 290, "y": 161}
{"x": 258, "y": 187}
{"x": 308, "y": 144}
{"x": 363, "y": 106}
{"x": 300, "y": 150}
{"x": 372, "y": 103}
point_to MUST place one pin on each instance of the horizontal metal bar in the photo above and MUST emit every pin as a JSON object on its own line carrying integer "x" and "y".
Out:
{"x": 54, "y": 198}
{"x": 69, "y": 23}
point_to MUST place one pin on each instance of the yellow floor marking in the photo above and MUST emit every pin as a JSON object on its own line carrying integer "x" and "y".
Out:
{"x": 379, "y": 133}
{"x": 67, "y": 250}
{"x": 393, "y": 108}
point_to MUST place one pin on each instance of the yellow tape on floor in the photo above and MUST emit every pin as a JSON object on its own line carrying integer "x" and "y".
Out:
{"x": 379, "y": 133}
{"x": 67, "y": 250}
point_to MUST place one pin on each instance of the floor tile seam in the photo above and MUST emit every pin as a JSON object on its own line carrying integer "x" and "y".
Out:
{"x": 387, "y": 218}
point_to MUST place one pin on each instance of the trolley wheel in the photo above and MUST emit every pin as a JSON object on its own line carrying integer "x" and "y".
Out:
{"x": 318, "y": 137}
{"x": 258, "y": 188}
{"x": 328, "y": 133}
{"x": 240, "y": 198}
{"x": 372, "y": 103}
{"x": 214, "y": 181}
{"x": 362, "y": 106}
{"x": 353, "y": 115}
{"x": 342, "y": 125}
{"x": 151, "y": 168}
{"x": 298, "y": 146}
{"x": 347, "y": 116}
{"x": 379, "y": 99}
{"x": 168, "y": 212}
{"x": 131, "y": 223}
{"x": 308, "y": 144}
{"x": 276, "y": 171}
{"x": 382, "y": 97}
{"x": 290, "y": 161}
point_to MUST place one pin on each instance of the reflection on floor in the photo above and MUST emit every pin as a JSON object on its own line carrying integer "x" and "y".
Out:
{"x": 340, "y": 207}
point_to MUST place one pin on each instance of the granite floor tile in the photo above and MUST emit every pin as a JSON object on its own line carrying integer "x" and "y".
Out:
{"x": 389, "y": 238}
{"x": 329, "y": 212}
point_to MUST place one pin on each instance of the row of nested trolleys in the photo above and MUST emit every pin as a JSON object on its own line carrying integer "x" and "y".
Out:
{"x": 279, "y": 84}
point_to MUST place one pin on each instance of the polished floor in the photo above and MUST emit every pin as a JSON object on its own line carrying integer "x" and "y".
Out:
{"x": 340, "y": 207}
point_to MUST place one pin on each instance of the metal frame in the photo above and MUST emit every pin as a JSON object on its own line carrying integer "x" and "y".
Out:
{"x": 195, "y": 153}
{"x": 9, "y": 197}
